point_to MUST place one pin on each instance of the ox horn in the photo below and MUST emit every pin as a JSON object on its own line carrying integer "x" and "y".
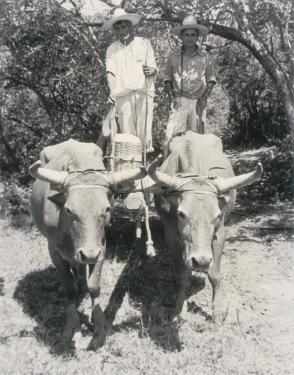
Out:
{"x": 116, "y": 178}
{"x": 47, "y": 175}
{"x": 161, "y": 178}
{"x": 225, "y": 184}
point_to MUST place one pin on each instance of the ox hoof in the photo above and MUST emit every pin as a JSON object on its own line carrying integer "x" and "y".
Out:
{"x": 71, "y": 327}
{"x": 101, "y": 326}
{"x": 66, "y": 343}
{"x": 63, "y": 346}
{"x": 97, "y": 340}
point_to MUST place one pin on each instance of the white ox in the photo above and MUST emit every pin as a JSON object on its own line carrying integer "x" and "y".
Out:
{"x": 71, "y": 206}
{"x": 197, "y": 194}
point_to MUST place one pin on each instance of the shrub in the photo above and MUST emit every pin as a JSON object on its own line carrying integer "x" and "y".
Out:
{"x": 15, "y": 202}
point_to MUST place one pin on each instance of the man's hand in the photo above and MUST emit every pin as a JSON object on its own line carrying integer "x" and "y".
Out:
{"x": 111, "y": 100}
{"x": 174, "y": 105}
{"x": 154, "y": 164}
{"x": 148, "y": 71}
{"x": 201, "y": 104}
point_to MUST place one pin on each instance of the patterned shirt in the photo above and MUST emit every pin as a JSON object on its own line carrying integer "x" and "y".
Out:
{"x": 189, "y": 73}
{"x": 126, "y": 62}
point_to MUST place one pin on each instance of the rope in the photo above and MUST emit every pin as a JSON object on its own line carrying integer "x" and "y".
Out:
{"x": 146, "y": 118}
{"x": 150, "y": 250}
{"x": 149, "y": 243}
{"x": 85, "y": 186}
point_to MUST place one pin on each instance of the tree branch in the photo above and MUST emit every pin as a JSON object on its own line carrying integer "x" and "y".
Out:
{"x": 21, "y": 122}
{"x": 252, "y": 45}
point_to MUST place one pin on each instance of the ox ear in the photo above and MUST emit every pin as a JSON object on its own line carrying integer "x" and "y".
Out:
{"x": 223, "y": 199}
{"x": 108, "y": 216}
{"x": 163, "y": 203}
{"x": 59, "y": 199}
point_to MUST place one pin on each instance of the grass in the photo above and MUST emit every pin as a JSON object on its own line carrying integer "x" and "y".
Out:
{"x": 256, "y": 336}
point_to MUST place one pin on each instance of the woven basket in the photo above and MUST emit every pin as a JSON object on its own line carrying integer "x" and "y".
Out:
{"x": 127, "y": 152}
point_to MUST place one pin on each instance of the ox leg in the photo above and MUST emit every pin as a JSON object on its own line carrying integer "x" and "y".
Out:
{"x": 180, "y": 275}
{"x": 182, "y": 294}
{"x": 214, "y": 273}
{"x": 100, "y": 325}
{"x": 71, "y": 288}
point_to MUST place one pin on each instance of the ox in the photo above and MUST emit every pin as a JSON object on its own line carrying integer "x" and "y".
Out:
{"x": 198, "y": 193}
{"x": 71, "y": 206}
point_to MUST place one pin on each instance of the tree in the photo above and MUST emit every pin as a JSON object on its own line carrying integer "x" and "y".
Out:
{"x": 264, "y": 27}
{"x": 58, "y": 55}
{"x": 54, "y": 56}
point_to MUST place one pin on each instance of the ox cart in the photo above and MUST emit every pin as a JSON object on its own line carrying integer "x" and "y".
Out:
{"x": 123, "y": 152}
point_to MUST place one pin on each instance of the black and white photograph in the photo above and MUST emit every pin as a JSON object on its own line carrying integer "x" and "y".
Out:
{"x": 146, "y": 187}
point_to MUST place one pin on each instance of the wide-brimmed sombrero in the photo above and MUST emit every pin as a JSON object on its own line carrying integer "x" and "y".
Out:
{"x": 120, "y": 15}
{"x": 189, "y": 22}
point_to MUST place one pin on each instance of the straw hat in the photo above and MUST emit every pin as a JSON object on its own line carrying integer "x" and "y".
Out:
{"x": 189, "y": 22}
{"x": 120, "y": 15}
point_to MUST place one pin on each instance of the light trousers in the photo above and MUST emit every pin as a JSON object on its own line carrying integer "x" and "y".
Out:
{"x": 135, "y": 115}
{"x": 184, "y": 117}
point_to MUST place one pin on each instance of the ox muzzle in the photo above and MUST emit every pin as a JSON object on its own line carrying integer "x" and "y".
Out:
{"x": 197, "y": 261}
{"x": 88, "y": 256}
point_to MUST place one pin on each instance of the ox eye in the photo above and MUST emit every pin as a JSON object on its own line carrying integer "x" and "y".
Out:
{"x": 103, "y": 215}
{"x": 217, "y": 219}
{"x": 68, "y": 210}
{"x": 181, "y": 215}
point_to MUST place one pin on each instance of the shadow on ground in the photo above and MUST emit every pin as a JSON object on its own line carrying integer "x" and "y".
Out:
{"x": 262, "y": 223}
{"x": 2, "y": 282}
{"x": 40, "y": 293}
{"x": 152, "y": 286}
{"x": 163, "y": 334}
{"x": 41, "y": 297}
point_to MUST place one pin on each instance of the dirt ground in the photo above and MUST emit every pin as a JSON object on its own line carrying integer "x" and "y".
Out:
{"x": 257, "y": 336}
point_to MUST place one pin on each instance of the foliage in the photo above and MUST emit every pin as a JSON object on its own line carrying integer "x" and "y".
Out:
{"x": 15, "y": 203}
{"x": 276, "y": 183}
{"x": 264, "y": 28}
{"x": 256, "y": 115}
{"x": 55, "y": 58}
{"x": 24, "y": 128}
{"x": 53, "y": 86}
{"x": 257, "y": 282}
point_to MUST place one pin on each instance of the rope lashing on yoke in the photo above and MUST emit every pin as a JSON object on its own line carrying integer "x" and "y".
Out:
{"x": 86, "y": 186}
{"x": 179, "y": 188}
{"x": 95, "y": 180}
{"x": 89, "y": 177}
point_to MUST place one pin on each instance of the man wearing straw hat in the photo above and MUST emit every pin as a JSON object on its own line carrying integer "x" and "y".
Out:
{"x": 131, "y": 69}
{"x": 189, "y": 79}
